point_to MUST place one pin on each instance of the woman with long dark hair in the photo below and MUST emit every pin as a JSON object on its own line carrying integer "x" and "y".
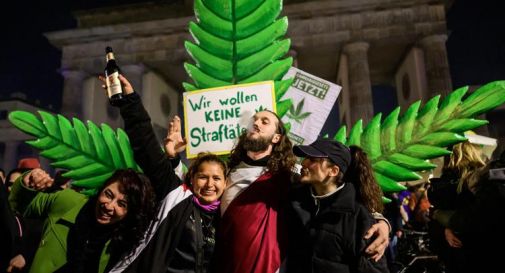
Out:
{"x": 81, "y": 233}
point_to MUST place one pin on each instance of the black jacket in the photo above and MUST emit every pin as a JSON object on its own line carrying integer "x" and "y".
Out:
{"x": 10, "y": 233}
{"x": 175, "y": 238}
{"x": 480, "y": 224}
{"x": 326, "y": 235}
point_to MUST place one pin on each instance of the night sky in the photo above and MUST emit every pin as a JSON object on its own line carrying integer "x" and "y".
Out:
{"x": 29, "y": 64}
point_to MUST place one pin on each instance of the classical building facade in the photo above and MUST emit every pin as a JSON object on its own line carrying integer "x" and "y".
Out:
{"x": 383, "y": 53}
{"x": 12, "y": 140}
{"x": 358, "y": 44}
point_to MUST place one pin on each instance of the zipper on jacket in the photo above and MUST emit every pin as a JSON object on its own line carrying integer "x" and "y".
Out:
{"x": 317, "y": 202}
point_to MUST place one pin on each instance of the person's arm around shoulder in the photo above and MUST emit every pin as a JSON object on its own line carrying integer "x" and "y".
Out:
{"x": 372, "y": 261}
{"x": 380, "y": 230}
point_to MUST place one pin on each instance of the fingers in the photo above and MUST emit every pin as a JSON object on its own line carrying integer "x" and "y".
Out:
{"x": 377, "y": 248}
{"x": 127, "y": 87}
{"x": 175, "y": 125}
{"x": 16, "y": 263}
{"x": 104, "y": 86}
{"x": 377, "y": 256}
{"x": 38, "y": 179}
{"x": 181, "y": 146}
{"x": 373, "y": 229}
{"x": 455, "y": 242}
{"x": 174, "y": 130}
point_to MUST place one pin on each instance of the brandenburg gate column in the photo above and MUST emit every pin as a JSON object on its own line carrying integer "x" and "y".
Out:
{"x": 73, "y": 86}
{"x": 438, "y": 76}
{"x": 360, "y": 89}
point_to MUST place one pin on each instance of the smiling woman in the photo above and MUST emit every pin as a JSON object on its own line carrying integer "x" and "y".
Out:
{"x": 206, "y": 177}
{"x": 85, "y": 234}
{"x": 111, "y": 205}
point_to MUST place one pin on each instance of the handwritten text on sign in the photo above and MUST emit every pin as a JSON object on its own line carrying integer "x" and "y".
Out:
{"x": 214, "y": 118}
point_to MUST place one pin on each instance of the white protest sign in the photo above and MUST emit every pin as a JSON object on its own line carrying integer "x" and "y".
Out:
{"x": 313, "y": 98}
{"x": 214, "y": 118}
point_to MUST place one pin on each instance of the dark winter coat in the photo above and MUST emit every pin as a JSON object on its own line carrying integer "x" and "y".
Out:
{"x": 326, "y": 235}
{"x": 176, "y": 240}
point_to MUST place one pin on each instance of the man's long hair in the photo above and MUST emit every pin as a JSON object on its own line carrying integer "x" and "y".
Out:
{"x": 281, "y": 159}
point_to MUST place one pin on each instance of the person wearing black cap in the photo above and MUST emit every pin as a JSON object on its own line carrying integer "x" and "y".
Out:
{"x": 327, "y": 225}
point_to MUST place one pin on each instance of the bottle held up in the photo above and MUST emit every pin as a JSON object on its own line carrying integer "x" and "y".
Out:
{"x": 112, "y": 71}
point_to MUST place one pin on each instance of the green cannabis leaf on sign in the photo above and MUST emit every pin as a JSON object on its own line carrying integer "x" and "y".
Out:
{"x": 296, "y": 114}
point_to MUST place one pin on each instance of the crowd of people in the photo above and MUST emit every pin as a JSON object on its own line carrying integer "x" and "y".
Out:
{"x": 253, "y": 213}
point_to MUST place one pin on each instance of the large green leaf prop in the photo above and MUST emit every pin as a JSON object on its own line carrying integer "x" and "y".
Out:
{"x": 239, "y": 41}
{"x": 91, "y": 154}
{"x": 400, "y": 146}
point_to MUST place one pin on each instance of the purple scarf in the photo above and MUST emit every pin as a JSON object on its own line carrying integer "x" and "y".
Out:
{"x": 208, "y": 208}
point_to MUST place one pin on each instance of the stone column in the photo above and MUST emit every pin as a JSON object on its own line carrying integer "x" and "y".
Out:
{"x": 360, "y": 88}
{"x": 71, "y": 105}
{"x": 438, "y": 77}
{"x": 10, "y": 155}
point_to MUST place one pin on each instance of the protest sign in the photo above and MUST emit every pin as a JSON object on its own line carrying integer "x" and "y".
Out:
{"x": 214, "y": 118}
{"x": 313, "y": 98}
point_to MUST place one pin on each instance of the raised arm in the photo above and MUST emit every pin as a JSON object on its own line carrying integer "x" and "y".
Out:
{"x": 372, "y": 259}
{"x": 380, "y": 232}
{"x": 146, "y": 148}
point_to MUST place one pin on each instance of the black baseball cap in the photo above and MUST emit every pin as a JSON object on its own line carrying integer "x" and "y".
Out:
{"x": 335, "y": 151}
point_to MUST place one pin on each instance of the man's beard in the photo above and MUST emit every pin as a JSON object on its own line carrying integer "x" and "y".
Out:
{"x": 257, "y": 144}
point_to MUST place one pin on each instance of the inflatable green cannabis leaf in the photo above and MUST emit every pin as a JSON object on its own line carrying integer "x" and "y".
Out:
{"x": 399, "y": 147}
{"x": 239, "y": 41}
{"x": 89, "y": 153}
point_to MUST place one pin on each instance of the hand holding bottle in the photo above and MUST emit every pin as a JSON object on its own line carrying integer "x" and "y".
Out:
{"x": 115, "y": 84}
{"x": 127, "y": 87}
